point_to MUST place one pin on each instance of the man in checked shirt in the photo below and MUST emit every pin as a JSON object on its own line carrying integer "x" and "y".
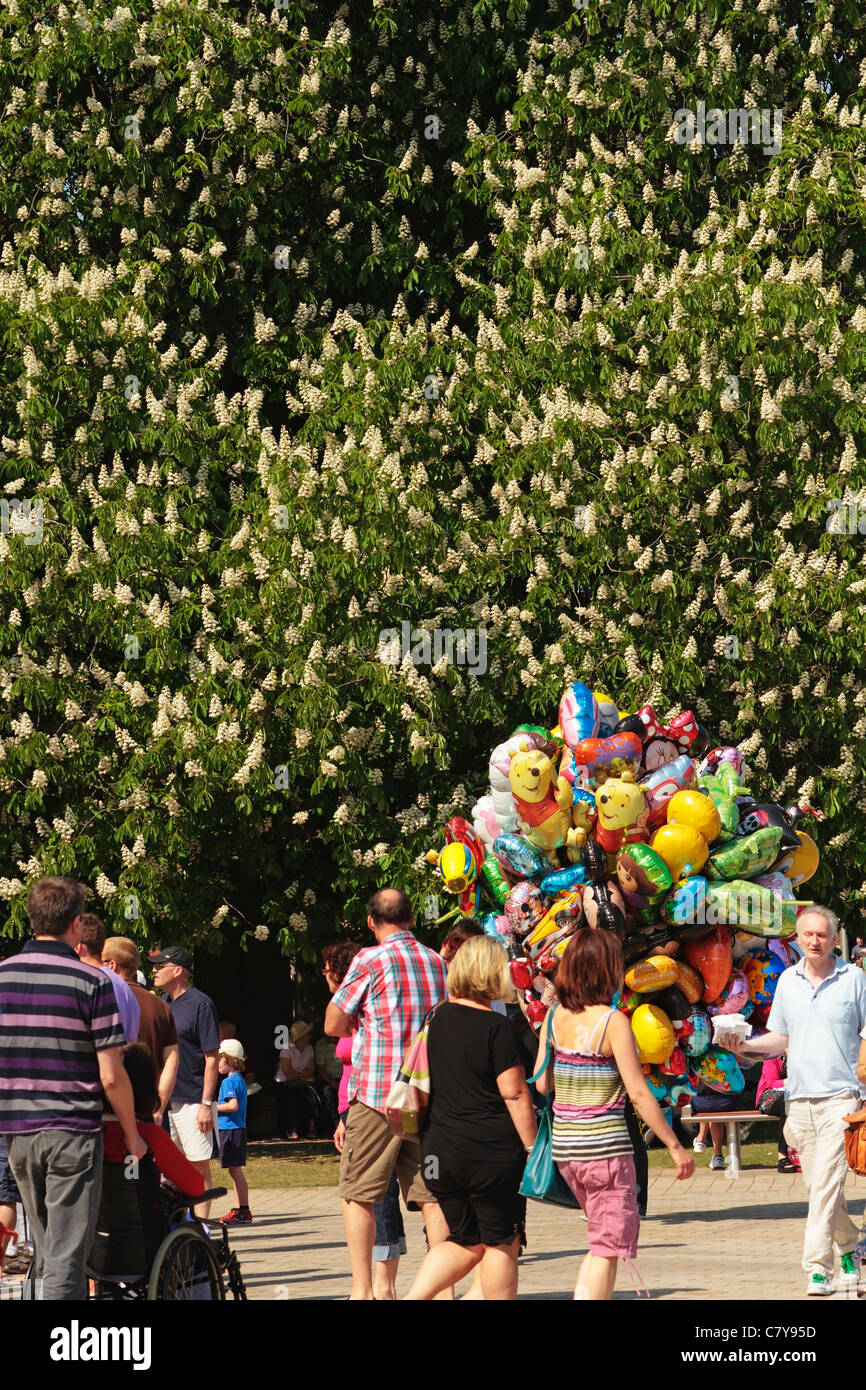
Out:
{"x": 386, "y": 993}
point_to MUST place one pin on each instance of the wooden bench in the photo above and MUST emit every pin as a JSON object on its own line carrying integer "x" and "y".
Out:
{"x": 732, "y": 1119}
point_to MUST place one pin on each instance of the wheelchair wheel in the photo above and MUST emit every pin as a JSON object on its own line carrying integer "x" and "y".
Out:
{"x": 237, "y": 1287}
{"x": 185, "y": 1270}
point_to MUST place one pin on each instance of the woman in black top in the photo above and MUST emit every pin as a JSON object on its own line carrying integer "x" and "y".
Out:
{"x": 479, "y": 1128}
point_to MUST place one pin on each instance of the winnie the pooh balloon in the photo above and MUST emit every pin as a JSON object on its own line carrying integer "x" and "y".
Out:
{"x": 542, "y": 801}
{"x": 622, "y": 813}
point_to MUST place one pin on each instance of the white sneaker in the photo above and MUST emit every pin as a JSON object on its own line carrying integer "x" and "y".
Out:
{"x": 717, "y": 1163}
{"x": 849, "y": 1273}
{"x": 819, "y": 1286}
{"x": 698, "y": 1145}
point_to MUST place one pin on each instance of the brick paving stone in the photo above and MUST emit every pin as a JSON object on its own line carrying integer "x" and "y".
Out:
{"x": 706, "y": 1238}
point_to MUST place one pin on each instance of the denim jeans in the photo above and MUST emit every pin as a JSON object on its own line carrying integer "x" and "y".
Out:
{"x": 60, "y": 1177}
{"x": 390, "y": 1235}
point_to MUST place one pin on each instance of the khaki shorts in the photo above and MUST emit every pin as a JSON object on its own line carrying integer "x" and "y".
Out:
{"x": 371, "y": 1153}
{"x": 184, "y": 1130}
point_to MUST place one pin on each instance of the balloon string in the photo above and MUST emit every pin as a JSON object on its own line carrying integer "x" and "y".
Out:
{"x": 634, "y": 1275}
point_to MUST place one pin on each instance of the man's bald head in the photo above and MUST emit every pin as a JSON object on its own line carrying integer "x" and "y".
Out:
{"x": 390, "y": 909}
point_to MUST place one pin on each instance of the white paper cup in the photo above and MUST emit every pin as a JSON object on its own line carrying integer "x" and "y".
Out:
{"x": 731, "y": 1026}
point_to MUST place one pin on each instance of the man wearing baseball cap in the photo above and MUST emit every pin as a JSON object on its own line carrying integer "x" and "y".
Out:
{"x": 192, "y": 1112}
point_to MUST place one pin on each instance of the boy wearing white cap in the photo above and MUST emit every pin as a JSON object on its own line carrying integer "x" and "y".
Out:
{"x": 232, "y": 1111}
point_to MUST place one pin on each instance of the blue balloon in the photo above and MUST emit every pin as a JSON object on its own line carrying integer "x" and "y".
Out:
{"x": 720, "y": 1070}
{"x": 580, "y": 794}
{"x": 687, "y": 901}
{"x": 578, "y": 714}
{"x": 563, "y": 880}
{"x": 488, "y": 924}
{"x": 696, "y": 1044}
{"x": 520, "y": 856}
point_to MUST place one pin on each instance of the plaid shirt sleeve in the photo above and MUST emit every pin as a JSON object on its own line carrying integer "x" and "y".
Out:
{"x": 350, "y": 996}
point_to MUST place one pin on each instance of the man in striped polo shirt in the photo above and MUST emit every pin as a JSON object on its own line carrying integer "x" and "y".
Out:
{"x": 60, "y": 1048}
{"x": 387, "y": 991}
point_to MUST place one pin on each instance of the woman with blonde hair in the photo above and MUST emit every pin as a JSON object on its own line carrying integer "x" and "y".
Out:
{"x": 479, "y": 1128}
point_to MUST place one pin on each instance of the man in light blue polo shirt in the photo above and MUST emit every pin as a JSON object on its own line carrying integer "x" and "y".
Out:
{"x": 818, "y": 1017}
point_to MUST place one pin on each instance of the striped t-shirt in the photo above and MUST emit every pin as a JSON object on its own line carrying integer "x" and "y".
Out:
{"x": 55, "y": 1015}
{"x": 589, "y": 1106}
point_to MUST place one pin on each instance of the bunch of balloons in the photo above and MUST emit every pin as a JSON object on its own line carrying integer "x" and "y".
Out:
{"x": 624, "y": 824}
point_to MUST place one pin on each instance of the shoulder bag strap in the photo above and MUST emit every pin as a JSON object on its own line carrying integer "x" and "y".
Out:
{"x": 543, "y": 1068}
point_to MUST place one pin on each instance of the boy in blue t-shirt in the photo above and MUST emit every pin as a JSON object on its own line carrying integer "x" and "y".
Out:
{"x": 232, "y": 1111}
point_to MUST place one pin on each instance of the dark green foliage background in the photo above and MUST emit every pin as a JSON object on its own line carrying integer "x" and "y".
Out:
{"x": 399, "y": 416}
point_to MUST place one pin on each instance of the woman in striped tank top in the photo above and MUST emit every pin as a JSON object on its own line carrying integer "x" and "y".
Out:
{"x": 594, "y": 1066}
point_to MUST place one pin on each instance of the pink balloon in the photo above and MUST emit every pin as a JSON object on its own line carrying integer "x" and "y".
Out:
{"x": 736, "y": 993}
{"x": 787, "y": 951}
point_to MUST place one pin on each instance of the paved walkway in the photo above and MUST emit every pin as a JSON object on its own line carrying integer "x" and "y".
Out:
{"x": 707, "y": 1238}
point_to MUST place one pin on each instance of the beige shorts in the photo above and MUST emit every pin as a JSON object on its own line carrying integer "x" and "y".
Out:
{"x": 371, "y": 1153}
{"x": 184, "y": 1130}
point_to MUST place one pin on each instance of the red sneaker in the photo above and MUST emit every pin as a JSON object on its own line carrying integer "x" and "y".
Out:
{"x": 238, "y": 1216}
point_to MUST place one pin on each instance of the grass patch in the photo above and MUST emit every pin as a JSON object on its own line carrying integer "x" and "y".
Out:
{"x": 760, "y": 1151}
{"x": 288, "y": 1163}
{"x": 316, "y": 1163}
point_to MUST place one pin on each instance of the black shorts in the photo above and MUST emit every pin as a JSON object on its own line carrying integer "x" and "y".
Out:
{"x": 9, "y": 1194}
{"x": 233, "y": 1148}
{"x": 716, "y": 1104}
{"x": 480, "y": 1200}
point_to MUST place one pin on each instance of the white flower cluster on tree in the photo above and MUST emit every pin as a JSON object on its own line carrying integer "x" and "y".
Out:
{"x": 459, "y": 348}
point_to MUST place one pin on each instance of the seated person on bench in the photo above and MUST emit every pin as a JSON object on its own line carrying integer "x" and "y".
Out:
{"x": 771, "y": 1100}
{"x": 130, "y": 1224}
{"x": 708, "y": 1102}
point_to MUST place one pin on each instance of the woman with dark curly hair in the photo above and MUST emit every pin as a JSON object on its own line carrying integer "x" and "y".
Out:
{"x": 458, "y": 936}
{"x": 390, "y": 1241}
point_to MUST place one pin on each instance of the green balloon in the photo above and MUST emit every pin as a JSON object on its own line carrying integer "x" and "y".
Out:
{"x": 494, "y": 880}
{"x": 748, "y": 856}
{"x": 750, "y": 907}
{"x": 729, "y": 813}
{"x": 650, "y": 863}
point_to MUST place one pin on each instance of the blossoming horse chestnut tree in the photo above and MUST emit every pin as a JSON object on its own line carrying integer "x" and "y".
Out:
{"x": 425, "y": 314}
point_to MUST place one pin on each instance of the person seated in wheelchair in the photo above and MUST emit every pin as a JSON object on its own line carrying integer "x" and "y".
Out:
{"x": 133, "y": 1210}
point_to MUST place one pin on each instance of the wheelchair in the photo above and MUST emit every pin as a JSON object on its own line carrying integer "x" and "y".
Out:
{"x": 150, "y": 1245}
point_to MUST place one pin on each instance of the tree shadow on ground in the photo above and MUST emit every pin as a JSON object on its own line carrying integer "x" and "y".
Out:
{"x": 794, "y": 1211}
